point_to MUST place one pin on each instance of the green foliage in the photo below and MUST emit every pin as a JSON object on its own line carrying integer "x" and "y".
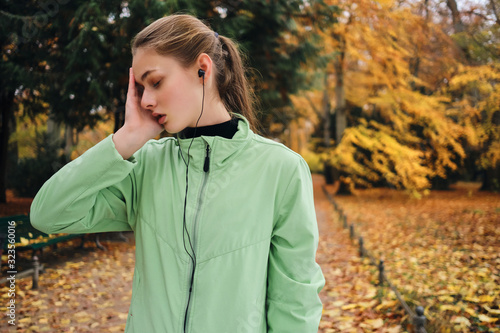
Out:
{"x": 82, "y": 49}
{"x": 278, "y": 37}
{"x": 32, "y": 172}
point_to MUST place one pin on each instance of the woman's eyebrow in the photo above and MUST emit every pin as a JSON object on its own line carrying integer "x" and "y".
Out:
{"x": 146, "y": 73}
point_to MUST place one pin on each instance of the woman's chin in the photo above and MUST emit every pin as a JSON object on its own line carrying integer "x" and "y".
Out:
{"x": 171, "y": 128}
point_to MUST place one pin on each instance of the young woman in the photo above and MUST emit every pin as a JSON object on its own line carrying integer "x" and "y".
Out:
{"x": 223, "y": 218}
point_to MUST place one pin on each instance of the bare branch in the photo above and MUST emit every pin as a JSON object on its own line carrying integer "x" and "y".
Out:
{"x": 494, "y": 8}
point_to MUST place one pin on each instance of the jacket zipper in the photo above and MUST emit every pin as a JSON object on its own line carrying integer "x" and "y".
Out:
{"x": 206, "y": 169}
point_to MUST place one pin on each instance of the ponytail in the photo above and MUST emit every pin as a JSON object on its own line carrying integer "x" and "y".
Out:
{"x": 184, "y": 37}
{"x": 232, "y": 83}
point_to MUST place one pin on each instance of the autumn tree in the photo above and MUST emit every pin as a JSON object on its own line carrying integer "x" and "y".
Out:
{"x": 390, "y": 126}
{"x": 474, "y": 89}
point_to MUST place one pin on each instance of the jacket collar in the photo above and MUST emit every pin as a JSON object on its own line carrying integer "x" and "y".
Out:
{"x": 221, "y": 149}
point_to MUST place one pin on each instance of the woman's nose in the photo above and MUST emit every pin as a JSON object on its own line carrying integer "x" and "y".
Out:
{"x": 148, "y": 101}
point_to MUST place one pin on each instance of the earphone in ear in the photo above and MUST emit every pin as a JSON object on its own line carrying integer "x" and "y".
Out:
{"x": 201, "y": 73}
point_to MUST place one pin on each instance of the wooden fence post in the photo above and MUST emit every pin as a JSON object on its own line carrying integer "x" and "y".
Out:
{"x": 351, "y": 230}
{"x": 361, "y": 248}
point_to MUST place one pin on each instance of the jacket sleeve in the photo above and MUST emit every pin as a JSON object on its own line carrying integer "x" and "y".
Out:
{"x": 93, "y": 193}
{"x": 294, "y": 277}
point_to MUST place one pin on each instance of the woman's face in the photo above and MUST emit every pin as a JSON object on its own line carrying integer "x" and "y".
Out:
{"x": 171, "y": 92}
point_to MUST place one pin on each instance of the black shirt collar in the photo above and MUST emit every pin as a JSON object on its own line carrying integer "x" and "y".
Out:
{"x": 226, "y": 130}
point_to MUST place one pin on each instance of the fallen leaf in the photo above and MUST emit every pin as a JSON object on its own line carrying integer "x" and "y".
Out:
{"x": 375, "y": 323}
{"x": 486, "y": 319}
{"x": 461, "y": 320}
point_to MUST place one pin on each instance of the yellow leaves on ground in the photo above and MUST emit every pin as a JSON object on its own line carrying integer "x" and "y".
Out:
{"x": 373, "y": 323}
{"x": 66, "y": 300}
{"x": 350, "y": 302}
{"x": 461, "y": 321}
{"x": 492, "y": 311}
{"x": 23, "y": 241}
{"x": 65, "y": 321}
{"x": 441, "y": 252}
{"x": 486, "y": 319}
{"x": 387, "y": 305}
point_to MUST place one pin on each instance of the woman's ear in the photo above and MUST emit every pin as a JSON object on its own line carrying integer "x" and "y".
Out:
{"x": 204, "y": 63}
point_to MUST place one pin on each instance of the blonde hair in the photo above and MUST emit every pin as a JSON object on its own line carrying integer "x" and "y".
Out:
{"x": 184, "y": 38}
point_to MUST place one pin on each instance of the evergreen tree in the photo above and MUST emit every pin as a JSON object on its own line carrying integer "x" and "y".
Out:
{"x": 75, "y": 55}
{"x": 68, "y": 59}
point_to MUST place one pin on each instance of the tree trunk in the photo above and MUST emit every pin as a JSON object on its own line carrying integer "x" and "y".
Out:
{"x": 327, "y": 114}
{"x": 119, "y": 118}
{"x": 455, "y": 16}
{"x": 340, "y": 108}
{"x": 327, "y": 167}
{"x": 495, "y": 12}
{"x": 414, "y": 69}
{"x": 427, "y": 14}
{"x": 491, "y": 179}
{"x": 6, "y": 104}
{"x": 70, "y": 142}
{"x": 53, "y": 131}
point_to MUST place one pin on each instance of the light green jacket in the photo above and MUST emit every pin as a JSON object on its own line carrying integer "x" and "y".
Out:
{"x": 250, "y": 218}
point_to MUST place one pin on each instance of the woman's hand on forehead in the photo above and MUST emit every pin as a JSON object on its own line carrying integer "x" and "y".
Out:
{"x": 140, "y": 125}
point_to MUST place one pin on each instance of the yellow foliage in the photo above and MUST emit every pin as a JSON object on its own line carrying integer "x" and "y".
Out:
{"x": 387, "y": 159}
{"x": 477, "y": 94}
{"x": 425, "y": 118}
{"x": 26, "y": 133}
{"x": 89, "y": 137}
{"x": 413, "y": 138}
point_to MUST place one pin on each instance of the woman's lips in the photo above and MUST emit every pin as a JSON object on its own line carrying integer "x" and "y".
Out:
{"x": 162, "y": 118}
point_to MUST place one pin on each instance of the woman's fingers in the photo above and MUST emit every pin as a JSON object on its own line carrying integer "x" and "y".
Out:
{"x": 131, "y": 84}
{"x": 133, "y": 99}
{"x": 136, "y": 117}
{"x": 139, "y": 127}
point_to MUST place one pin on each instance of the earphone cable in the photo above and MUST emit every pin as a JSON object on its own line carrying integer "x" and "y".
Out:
{"x": 187, "y": 171}
{"x": 185, "y": 204}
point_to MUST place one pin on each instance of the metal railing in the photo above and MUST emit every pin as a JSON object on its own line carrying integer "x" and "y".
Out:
{"x": 34, "y": 272}
{"x": 417, "y": 317}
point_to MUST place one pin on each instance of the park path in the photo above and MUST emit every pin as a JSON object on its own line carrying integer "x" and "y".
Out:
{"x": 348, "y": 304}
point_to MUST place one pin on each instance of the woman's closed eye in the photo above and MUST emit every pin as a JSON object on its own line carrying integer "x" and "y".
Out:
{"x": 155, "y": 85}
